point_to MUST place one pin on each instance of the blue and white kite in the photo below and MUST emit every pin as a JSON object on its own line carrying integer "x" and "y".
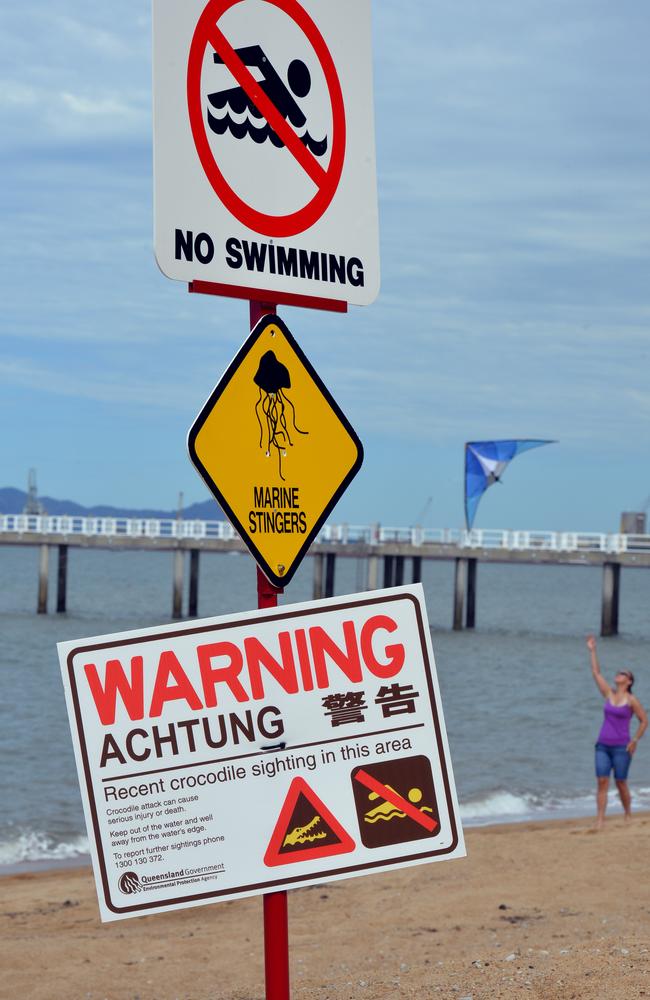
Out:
{"x": 485, "y": 462}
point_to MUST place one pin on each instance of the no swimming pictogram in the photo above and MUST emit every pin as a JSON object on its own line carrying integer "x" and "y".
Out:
{"x": 396, "y": 801}
{"x": 265, "y": 110}
{"x": 306, "y": 829}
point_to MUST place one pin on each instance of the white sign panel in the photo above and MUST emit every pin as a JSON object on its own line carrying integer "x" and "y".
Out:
{"x": 233, "y": 756}
{"x": 264, "y": 146}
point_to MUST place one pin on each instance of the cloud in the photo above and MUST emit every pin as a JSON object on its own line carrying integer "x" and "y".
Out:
{"x": 76, "y": 64}
{"x": 38, "y": 117}
{"x": 117, "y": 387}
{"x": 81, "y": 33}
{"x": 95, "y": 107}
{"x": 17, "y": 96}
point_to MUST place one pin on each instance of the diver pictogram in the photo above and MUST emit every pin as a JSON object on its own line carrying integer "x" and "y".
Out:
{"x": 240, "y": 115}
{"x": 272, "y": 379}
{"x": 306, "y": 829}
{"x": 395, "y": 801}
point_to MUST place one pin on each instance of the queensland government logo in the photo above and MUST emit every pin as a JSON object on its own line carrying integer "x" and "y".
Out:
{"x": 129, "y": 883}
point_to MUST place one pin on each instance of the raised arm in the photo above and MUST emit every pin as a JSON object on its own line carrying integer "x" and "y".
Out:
{"x": 641, "y": 715}
{"x": 602, "y": 684}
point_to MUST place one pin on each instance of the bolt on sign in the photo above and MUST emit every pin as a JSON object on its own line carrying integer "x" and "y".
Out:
{"x": 264, "y": 146}
{"x": 239, "y": 755}
{"x": 274, "y": 449}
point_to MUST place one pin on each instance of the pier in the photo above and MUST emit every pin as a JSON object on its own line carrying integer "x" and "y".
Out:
{"x": 391, "y": 556}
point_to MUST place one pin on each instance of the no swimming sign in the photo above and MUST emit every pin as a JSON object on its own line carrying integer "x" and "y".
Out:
{"x": 241, "y": 755}
{"x": 264, "y": 148}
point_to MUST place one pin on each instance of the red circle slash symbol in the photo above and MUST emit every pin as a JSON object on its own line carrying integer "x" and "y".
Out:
{"x": 208, "y": 34}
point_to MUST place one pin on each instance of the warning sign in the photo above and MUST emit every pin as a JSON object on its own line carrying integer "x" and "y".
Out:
{"x": 233, "y": 756}
{"x": 306, "y": 827}
{"x": 274, "y": 449}
{"x": 264, "y": 150}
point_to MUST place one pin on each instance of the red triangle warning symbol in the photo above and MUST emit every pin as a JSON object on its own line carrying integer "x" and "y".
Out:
{"x": 305, "y": 829}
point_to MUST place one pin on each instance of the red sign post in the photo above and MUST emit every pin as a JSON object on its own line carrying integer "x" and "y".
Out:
{"x": 276, "y": 918}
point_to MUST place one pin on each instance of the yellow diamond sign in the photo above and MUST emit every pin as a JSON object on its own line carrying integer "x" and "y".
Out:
{"x": 274, "y": 449}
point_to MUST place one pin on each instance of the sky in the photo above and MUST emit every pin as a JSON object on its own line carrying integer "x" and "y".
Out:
{"x": 512, "y": 150}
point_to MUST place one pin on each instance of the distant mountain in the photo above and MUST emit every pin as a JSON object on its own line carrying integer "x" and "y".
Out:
{"x": 12, "y": 501}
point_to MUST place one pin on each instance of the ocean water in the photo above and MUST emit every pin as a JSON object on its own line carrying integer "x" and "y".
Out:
{"x": 521, "y": 709}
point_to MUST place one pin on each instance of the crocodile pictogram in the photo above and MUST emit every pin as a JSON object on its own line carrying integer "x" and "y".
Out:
{"x": 306, "y": 829}
{"x": 303, "y": 834}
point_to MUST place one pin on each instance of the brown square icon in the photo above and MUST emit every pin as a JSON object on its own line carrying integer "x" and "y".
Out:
{"x": 395, "y": 801}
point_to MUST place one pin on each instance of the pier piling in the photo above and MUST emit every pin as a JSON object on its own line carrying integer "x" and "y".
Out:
{"x": 389, "y": 569}
{"x": 193, "y": 603}
{"x": 398, "y": 573}
{"x": 43, "y": 575}
{"x": 62, "y": 580}
{"x": 373, "y": 573}
{"x": 470, "y": 617}
{"x": 318, "y": 576}
{"x": 416, "y": 570}
{"x": 330, "y": 566}
{"x": 610, "y": 601}
{"x": 460, "y": 584}
{"x": 177, "y": 596}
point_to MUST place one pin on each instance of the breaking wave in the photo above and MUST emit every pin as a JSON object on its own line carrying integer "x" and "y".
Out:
{"x": 502, "y": 806}
{"x": 36, "y": 846}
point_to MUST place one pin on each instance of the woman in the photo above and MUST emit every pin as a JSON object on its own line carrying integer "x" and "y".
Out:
{"x": 615, "y": 748}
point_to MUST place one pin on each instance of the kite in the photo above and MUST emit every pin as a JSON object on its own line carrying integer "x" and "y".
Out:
{"x": 485, "y": 463}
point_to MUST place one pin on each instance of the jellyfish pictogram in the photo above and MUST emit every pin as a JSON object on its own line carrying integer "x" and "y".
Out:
{"x": 272, "y": 379}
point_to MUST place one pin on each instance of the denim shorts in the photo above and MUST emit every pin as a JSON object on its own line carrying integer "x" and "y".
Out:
{"x": 612, "y": 757}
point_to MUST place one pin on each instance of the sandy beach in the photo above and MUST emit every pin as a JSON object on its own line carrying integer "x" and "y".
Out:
{"x": 548, "y": 910}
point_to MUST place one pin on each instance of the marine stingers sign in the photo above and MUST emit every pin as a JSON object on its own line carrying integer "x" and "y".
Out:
{"x": 264, "y": 146}
{"x": 274, "y": 448}
{"x": 267, "y": 750}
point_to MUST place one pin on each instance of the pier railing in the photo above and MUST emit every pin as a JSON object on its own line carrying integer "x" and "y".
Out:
{"x": 341, "y": 534}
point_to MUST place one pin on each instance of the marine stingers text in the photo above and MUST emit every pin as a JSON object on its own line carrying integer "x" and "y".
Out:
{"x": 277, "y": 511}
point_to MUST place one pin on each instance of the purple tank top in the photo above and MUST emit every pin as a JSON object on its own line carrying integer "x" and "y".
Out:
{"x": 615, "y": 730}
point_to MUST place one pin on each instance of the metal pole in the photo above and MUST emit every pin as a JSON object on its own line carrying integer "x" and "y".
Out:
{"x": 276, "y": 918}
